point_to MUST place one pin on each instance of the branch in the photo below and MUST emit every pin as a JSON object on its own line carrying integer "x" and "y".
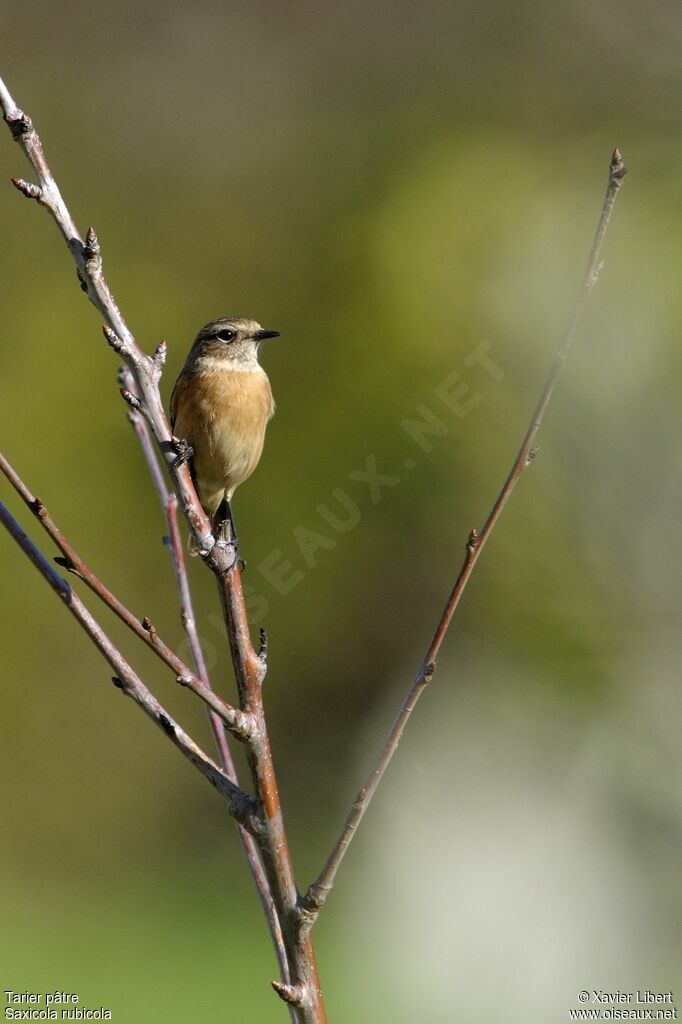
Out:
{"x": 241, "y": 806}
{"x": 249, "y": 668}
{"x": 173, "y": 542}
{"x": 306, "y": 1006}
{"x": 234, "y": 719}
{"x": 321, "y": 888}
{"x": 146, "y": 369}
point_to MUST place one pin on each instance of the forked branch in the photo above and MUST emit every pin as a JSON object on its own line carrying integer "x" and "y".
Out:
{"x": 169, "y": 504}
{"x": 242, "y": 807}
{"x": 238, "y": 723}
{"x": 299, "y": 976}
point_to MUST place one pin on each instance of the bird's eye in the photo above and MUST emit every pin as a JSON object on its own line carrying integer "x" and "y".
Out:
{"x": 226, "y": 334}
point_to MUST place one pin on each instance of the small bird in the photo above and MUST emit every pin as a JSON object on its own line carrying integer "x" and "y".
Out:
{"x": 220, "y": 407}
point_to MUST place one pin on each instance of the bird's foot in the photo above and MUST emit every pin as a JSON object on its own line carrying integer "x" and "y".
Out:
{"x": 183, "y": 450}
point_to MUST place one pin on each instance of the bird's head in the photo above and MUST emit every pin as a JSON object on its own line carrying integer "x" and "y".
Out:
{"x": 232, "y": 340}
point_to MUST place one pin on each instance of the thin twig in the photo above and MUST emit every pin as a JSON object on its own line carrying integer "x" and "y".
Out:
{"x": 242, "y": 807}
{"x": 321, "y": 888}
{"x": 238, "y": 723}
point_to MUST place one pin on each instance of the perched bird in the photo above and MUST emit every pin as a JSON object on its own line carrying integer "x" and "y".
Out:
{"x": 220, "y": 407}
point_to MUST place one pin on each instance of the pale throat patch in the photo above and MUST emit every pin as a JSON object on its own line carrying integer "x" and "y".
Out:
{"x": 213, "y": 364}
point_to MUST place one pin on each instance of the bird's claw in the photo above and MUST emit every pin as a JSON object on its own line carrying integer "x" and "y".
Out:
{"x": 183, "y": 450}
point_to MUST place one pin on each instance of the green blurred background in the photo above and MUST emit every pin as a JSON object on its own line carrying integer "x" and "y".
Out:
{"x": 392, "y": 186}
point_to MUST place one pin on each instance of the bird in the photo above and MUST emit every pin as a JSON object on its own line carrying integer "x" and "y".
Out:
{"x": 219, "y": 410}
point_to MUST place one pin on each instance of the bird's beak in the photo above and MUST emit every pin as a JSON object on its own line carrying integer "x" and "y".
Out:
{"x": 262, "y": 335}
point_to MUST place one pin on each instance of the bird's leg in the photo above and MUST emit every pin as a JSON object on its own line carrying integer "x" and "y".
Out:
{"x": 183, "y": 450}
{"x": 226, "y": 532}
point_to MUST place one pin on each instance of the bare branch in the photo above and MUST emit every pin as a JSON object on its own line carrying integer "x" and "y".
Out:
{"x": 249, "y": 668}
{"x": 236, "y": 720}
{"x": 140, "y": 426}
{"x": 321, "y": 888}
{"x": 241, "y": 806}
{"x": 146, "y": 369}
{"x": 173, "y": 541}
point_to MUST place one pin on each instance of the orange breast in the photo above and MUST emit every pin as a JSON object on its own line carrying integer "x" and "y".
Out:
{"x": 223, "y": 415}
